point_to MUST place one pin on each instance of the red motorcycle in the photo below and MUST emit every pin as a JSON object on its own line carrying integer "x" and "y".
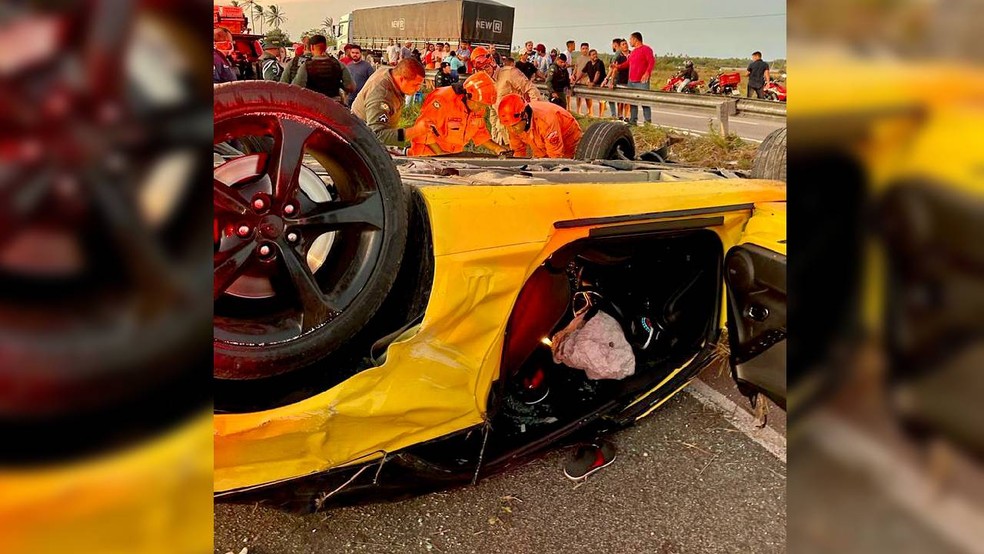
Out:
{"x": 775, "y": 91}
{"x": 725, "y": 84}
{"x": 673, "y": 83}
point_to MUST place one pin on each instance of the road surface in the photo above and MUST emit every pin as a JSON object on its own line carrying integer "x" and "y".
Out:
{"x": 685, "y": 480}
{"x": 747, "y": 127}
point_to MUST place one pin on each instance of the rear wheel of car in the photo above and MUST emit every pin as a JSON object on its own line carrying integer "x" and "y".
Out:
{"x": 770, "y": 158}
{"x": 308, "y": 233}
{"x": 606, "y": 140}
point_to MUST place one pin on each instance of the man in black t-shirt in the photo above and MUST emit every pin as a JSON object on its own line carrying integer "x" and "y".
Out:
{"x": 758, "y": 75}
{"x": 525, "y": 65}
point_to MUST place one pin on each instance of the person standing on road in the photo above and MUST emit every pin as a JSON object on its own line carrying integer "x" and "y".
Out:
{"x": 559, "y": 81}
{"x": 456, "y": 64}
{"x": 429, "y": 61}
{"x": 578, "y": 76}
{"x": 540, "y": 129}
{"x": 222, "y": 48}
{"x": 456, "y": 116}
{"x": 641, "y": 63}
{"x": 360, "y": 70}
{"x": 324, "y": 73}
{"x": 758, "y": 75}
{"x": 464, "y": 55}
{"x": 380, "y": 104}
{"x": 444, "y": 77}
{"x": 572, "y": 61}
{"x": 270, "y": 68}
{"x": 541, "y": 61}
{"x": 594, "y": 74}
{"x": 346, "y": 57}
{"x": 392, "y": 53}
{"x": 406, "y": 52}
{"x": 621, "y": 67}
{"x": 526, "y": 66}
{"x": 295, "y": 64}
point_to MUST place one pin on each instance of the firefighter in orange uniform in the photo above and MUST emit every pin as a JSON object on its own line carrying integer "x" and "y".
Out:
{"x": 456, "y": 116}
{"x": 545, "y": 129}
{"x": 508, "y": 80}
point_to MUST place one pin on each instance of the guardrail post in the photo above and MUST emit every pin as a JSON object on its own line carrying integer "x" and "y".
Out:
{"x": 723, "y": 115}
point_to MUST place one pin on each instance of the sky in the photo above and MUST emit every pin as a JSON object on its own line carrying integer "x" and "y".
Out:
{"x": 713, "y": 28}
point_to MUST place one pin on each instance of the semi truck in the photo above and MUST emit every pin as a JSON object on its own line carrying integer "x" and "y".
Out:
{"x": 485, "y": 22}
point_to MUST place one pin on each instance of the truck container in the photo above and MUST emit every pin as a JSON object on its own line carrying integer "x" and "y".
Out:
{"x": 483, "y": 22}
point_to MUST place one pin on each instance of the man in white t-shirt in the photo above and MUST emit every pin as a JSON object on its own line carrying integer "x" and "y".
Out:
{"x": 392, "y": 53}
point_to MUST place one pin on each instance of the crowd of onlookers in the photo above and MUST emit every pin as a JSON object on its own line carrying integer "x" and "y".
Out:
{"x": 343, "y": 74}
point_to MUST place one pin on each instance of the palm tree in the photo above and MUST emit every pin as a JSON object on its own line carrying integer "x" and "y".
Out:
{"x": 260, "y": 14}
{"x": 249, "y": 6}
{"x": 275, "y": 16}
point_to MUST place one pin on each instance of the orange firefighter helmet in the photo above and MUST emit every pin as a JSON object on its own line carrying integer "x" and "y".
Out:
{"x": 481, "y": 58}
{"x": 481, "y": 87}
{"x": 511, "y": 109}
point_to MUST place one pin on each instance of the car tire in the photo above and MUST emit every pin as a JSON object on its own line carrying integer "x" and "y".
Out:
{"x": 603, "y": 140}
{"x": 770, "y": 158}
{"x": 260, "y": 358}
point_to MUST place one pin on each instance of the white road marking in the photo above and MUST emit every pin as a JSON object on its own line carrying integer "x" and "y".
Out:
{"x": 684, "y": 114}
{"x": 767, "y": 437}
{"x": 951, "y": 516}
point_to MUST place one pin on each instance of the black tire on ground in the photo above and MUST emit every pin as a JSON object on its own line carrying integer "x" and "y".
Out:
{"x": 604, "y": 139}
{"x": 770, "y": 158}
{"x": 259, "y": 358}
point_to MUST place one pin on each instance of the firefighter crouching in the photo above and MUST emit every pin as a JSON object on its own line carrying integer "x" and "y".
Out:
{"x": 508, "y": 80}
{"x": 380, "y": 102}
{"x": 455, "y": 116}
{"x": 540, "y": 129}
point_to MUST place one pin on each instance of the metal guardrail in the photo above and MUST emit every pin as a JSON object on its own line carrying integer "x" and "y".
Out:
{"x": 761, "y": 107}
{"x": 722, "y": 106}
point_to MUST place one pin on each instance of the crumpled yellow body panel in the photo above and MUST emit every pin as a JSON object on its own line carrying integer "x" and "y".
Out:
{"x": 767, "y": 227}
{"x": 487, "y": 241}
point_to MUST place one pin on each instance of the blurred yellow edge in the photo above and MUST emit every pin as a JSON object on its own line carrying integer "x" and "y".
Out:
{"x": 150, "y": 498}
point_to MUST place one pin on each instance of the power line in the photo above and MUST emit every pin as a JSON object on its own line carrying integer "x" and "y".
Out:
{"x": 783, "y": 14}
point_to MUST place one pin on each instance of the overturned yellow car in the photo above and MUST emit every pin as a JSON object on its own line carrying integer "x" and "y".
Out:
{"x": 383, "y": 326}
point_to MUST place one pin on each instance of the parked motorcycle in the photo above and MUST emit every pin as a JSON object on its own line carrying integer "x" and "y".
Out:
{"x": 725, "y": 84}
{"x": 774, "y": 90}
{"x": 673, "y": 83}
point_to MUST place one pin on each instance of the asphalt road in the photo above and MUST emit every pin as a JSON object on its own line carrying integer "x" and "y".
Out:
{"x": 685, "y": 480}
{"x": 748, "y": 127}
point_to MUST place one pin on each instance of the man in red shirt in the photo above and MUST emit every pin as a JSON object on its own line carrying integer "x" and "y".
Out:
{"x": 641, "y": 63}
{"x": 346, "y": 58}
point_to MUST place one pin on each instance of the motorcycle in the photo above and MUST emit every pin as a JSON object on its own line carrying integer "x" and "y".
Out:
{"x": 693, "y": 87}
{"x": 725, "y": 84}
{"x": 774, "y": 91}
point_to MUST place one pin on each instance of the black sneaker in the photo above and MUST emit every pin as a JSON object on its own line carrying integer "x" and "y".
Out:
{"x": 588, "y": 459}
